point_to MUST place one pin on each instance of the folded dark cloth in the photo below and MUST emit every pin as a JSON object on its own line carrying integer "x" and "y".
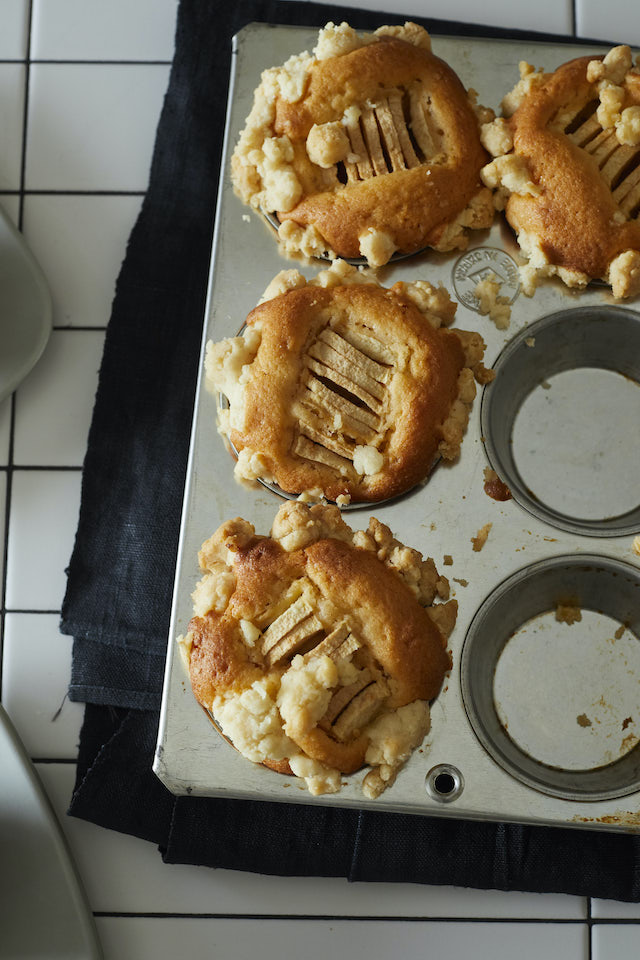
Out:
{"x": 117, "y": 789}
{"x": 120, "y": 577}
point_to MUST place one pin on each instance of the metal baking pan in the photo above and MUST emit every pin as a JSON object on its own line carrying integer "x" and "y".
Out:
{"x": 539, "y": 720}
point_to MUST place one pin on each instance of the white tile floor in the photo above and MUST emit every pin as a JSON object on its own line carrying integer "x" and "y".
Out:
{"x": 74, "y": 183}
{"x": 616, "y": 20}
{"x": 78, "y": 242}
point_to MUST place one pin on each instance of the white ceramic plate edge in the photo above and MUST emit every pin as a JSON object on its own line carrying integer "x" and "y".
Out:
{"x": 43, "y": 909}
{"x": 25, "y": 308}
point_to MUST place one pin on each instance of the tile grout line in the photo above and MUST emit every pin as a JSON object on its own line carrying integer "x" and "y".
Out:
{"x": 347, "y": 918}
{"x": 44, "y": 761}
{"x": 74, "y": 193}
{"x": 25, "y": 115}
{"x": 101, "y": 63}
{"x": 54, "y": 468}
{"x": 33, "y": 612}
{"x": 69, "y": 62}
{"x": 108, "y": 915}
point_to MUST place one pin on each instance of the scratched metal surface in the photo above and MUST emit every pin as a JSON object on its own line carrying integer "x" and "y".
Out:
{"x": 442, "y": 516}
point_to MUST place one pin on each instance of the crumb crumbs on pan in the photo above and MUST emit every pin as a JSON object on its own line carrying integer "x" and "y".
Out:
{"x": 530, "y": 341}
{"x": 494, "y": 487}
{"x": 481, "y": 537}
{"x": 636, "y": 545}
{"x": 447, "y": 560}
{"x": 461, "y": 581}
{"x": 566, "y": 613}
{"x": 624, "y": 818}
{"x": 583, "y": 720}
{"x": 491, "y": 304}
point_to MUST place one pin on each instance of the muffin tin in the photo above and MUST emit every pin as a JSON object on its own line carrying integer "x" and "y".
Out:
{"x": 539, "y": 719}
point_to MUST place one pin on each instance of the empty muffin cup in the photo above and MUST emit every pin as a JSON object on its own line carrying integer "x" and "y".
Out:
{"x": 550, "y": 675}
{"x": 560, "y": 421}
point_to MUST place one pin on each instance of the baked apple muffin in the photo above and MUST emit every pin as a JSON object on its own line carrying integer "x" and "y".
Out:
{"x": 366, "y": 148}
{"x": 567, "y": 171}
{"x": 317, "y": 649}
{"x": 339, "y": 388}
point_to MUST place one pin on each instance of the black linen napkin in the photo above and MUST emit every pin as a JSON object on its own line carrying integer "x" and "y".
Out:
{"x": 120, "y": 577}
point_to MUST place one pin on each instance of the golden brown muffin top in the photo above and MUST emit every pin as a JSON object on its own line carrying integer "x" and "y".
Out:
{"x": 348, "y": 391}
{"x": 368, "y": 148}
{"x": 306, "y": 644}
{"x": 567, "y": 170}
